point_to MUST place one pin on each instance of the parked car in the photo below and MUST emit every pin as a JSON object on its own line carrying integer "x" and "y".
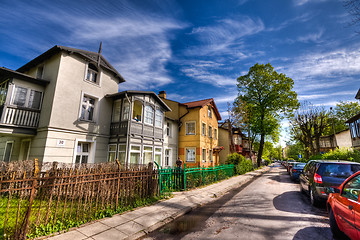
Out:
{"x": 319, "y": 175}
{"x": 344, "y": 208}
{"x": 296, "y": 170}
{"x": 289, "y": 166}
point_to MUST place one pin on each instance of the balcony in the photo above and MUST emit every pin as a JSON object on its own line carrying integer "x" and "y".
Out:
{"x": 20, "y": 117}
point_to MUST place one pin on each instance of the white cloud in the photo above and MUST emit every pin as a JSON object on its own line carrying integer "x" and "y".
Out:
{"x": 311, "y": 37}
{"x": 302, "y": 2}
{"x": 225, "y": 99}
{"x": 326, "y": 95}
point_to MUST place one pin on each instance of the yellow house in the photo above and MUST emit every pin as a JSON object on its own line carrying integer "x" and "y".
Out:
{"x": 198, "y": 130}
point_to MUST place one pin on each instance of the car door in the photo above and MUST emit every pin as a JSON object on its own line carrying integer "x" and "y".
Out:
{"x": 346, "y": 205}
{"x": 307, "y": 175}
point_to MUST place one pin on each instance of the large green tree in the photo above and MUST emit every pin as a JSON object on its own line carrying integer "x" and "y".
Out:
{"x": 268, "y": 95}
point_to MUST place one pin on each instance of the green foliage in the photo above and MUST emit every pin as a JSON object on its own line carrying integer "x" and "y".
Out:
{"x": 244, "y": 166}
{"x": 234, "y": 158}
{"x": 293, "y": 150}
{"x": 339, "y": 154}
{"x": 267, "y": 95}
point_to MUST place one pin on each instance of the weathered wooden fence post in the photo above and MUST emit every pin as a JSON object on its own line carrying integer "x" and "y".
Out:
{"x": 31, "y": 200}
{"x": 118, "y": 184}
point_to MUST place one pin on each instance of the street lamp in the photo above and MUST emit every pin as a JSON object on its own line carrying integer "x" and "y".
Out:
{"x": 333, "y": 126}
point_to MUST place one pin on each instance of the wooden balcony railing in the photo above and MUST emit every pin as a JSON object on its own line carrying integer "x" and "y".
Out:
{"x": 22, "y": 117}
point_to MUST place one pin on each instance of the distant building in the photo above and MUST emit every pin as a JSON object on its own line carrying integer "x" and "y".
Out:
{"x": 354, "y": 125}
{"x": 342, "y": 140}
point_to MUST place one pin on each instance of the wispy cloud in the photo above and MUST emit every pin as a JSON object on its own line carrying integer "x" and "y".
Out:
{"x": 326, "y": 95}
{"x": 311, "y": 37}
{"x": 302, "y": 2}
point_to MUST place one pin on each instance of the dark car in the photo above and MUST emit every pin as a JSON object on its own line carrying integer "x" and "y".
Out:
{"x": 344, "y": 208}
{"x": 319, "y": 175}
{"x": 296, "y": 170}
{"x": 289, "y": 165}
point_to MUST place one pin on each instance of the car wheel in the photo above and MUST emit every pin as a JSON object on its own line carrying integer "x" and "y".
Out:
{"x": 313, "y": 199}
{"x": 333, "y": 225}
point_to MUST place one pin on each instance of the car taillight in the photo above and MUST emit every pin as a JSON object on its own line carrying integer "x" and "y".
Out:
{"x": 294, "y": 170}
{"x": 317, "y": 178}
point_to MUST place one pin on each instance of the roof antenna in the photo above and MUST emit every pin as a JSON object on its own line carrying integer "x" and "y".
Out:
{"x": 99, "y": 54}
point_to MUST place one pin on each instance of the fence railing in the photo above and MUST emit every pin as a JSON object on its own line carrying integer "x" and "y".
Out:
{"x": 178, "y": 179}
{"x": 30, "y": 197}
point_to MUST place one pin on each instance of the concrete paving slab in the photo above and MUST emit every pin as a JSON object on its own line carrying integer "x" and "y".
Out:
{"x": 110, "y": 234}
{"x": 69, "y": 236}
{"x": 130, "y": 228}
{"x": 93, "y": 229}
{"x": 146, "y": 221}
{"x": 115, "y": 221}
{"x": 132, "y": 215}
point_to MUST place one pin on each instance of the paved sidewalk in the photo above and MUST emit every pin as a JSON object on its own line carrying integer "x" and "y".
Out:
{"x": 137, "y": 223}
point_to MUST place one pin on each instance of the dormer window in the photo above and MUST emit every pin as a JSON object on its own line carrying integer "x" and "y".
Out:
{"x": 92, "y": 73}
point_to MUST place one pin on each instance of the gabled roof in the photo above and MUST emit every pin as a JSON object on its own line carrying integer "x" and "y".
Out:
{"x": 202, "y": 103}
{"x": 6, "y": 73}
{"x": 133, "y": 92}
{"x": 358, "y": 94}
{"x": 89, "y": 56}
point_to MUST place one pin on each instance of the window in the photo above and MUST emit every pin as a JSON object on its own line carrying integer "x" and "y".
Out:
{"x": 111, "y": 152}
{"x": 149, "y": 115}
{"x": 168, "y": 129}
{"x": 210, "y": 132}
{"x": 158, "y": 155}
{"x": 126, "y": 110}
{"x": 190, "y": 154}
{"x": 87, "y": 108}
{"x": 158, "y": 118}
{"x": 82, "y": 153}
{"x": 204, "y": 155}
{"x": 8, "y": 151}
{"x": 116, "y": 111}
{"x": 24, "y": 150}
{"x": 215, "y": 133}
{"x": 351, "y": 189}
{"x": 92, "y": 73}
{"x": 210, "y": 155}
{"x": 24, "y": 97}
{"x": 203, "y": 129}
{"x": 190, "y": 128}
{"x": 209, "y": 112}
{"x": 3, "y": 91}
{"x": 137, "y": 111}
{"x": 147, "y": 154}
{"x": 167, "y": 157}
{"x": 135, "y": 155}
{"x": 121, "y": 153}
{"x": 40, "y": 72}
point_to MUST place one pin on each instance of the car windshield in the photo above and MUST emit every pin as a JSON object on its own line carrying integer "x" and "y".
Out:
{"x": 339, "y": 170}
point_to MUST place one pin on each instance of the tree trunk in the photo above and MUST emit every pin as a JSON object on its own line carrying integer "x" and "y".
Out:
{"x": 261, "y": 148}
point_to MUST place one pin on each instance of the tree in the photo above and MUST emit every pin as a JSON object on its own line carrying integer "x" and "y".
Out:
{"x": 267, "y": 95}
{"x": 307, "y": 126}
{"x": 353, "y": 8}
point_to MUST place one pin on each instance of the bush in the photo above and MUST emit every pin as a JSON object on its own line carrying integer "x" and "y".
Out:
{"x": 339, "y": 154}
{"x": 244, "y": 166}
{"x": 234, "y": 158}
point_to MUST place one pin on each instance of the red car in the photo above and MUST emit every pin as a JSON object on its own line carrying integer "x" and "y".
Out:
{"x": 344, "y": 208}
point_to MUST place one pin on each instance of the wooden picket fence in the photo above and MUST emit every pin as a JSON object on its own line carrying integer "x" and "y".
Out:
{"x": 33, "y": 194}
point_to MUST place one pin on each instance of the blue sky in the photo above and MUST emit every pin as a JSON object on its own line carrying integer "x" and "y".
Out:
{"x": 196, "y": 49}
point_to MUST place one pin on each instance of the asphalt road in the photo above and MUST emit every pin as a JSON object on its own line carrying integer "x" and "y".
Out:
{"x": 270, "y": 207}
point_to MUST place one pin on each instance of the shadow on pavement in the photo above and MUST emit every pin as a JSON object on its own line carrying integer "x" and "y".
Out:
{"x": 318, "y": 233}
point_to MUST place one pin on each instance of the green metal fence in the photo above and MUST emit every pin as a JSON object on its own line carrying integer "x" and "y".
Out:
{"x": 179, "y": 179}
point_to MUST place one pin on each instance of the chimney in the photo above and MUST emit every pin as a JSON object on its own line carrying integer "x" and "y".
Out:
{"x": 162, "y": 94}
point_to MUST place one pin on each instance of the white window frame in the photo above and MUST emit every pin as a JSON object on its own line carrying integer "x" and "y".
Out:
{"x": 186, "y": 155}
{"x": 168, "y": 129}
{"x": 94, "y": 118}
{"x": 186, "y": 127}
{"x": 167, "y": 157}
{"x": 121, "y": 151}
{"x": 27, "y": 98}
{"x": 11, "y": 150}
{"x": 142, "y": 111}
{"x": 21, "y": 149}
{"x": 98, "y": 77}
{"x": 123, "y": 107}
{"x": 135, "y": 151}
{"x": 210, "y": 155}
{"x": 159, "y": 118}
{"x": 39, "y": 74}
{"x": 209, "y": 112}
{"x": 112, "y": 144}
{"x": 147, "y": 115}
{"x": 204, "y": 155}
{"x": 114, "y": 113}
{"x": 91, "y": 158}
{"x": 147, "y": 151}
{"x": 158, "y": 153}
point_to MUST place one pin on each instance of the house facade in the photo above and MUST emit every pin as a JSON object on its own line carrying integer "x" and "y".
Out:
{"x": 342, "y": 139}
{"x": 137, "y": 128}
{"x": 354, "y": 125}
{"x": 197, "y": 130}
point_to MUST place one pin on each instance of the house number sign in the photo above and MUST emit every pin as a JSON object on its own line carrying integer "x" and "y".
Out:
{"x": 60, "y": 143}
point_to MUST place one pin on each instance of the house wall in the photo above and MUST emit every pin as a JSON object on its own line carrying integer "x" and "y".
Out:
{"x": 224, "y": 141}
{"x": 171, "y": 142}
{"x": 343, "y": 139}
